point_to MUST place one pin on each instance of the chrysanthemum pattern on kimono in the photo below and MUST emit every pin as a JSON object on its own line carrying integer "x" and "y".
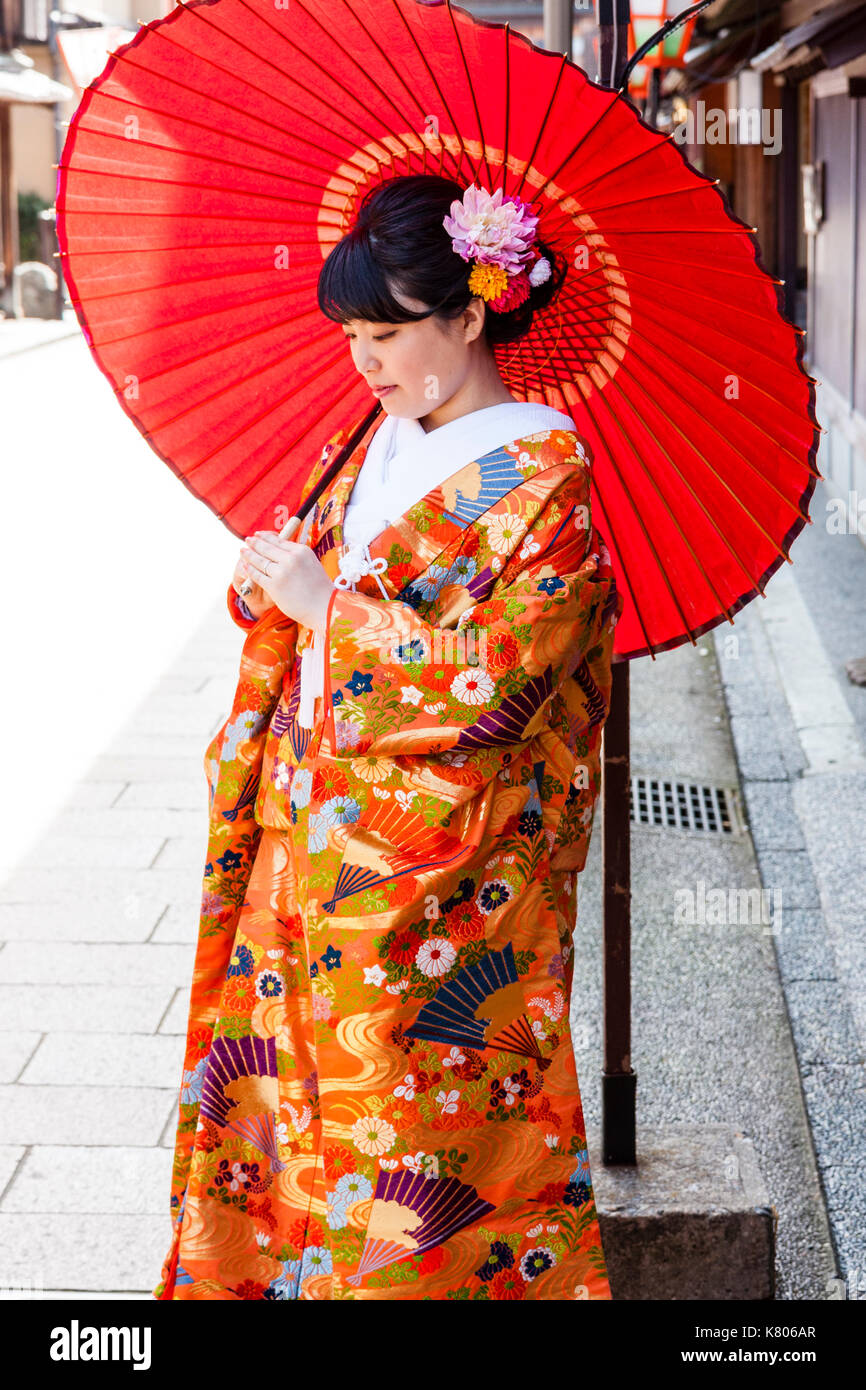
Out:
{"x": 379, "y": 1097}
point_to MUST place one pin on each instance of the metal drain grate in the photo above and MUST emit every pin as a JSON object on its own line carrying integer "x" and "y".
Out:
{"x": 685, "y": 806}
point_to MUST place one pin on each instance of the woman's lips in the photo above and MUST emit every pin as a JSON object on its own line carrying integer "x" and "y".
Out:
{"x": 383, "y": 390}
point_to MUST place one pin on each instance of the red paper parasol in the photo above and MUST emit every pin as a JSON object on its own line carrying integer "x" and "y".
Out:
{"x": 221, "y": 154}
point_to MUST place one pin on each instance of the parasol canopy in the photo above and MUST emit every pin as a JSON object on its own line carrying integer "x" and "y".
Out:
{"x": 220, "y": 155}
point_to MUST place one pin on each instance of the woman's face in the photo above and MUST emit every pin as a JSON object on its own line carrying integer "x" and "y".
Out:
{"x": 425, "y": 362}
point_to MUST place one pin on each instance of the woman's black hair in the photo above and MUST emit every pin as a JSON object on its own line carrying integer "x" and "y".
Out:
{"x": 399, "y": 244}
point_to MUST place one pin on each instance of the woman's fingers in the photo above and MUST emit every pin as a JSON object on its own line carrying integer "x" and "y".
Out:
{"x": 246, "y": 587}
{"x": 257, "y": 568}
{"x": 290, "y": 576}
{"x": 241, "y": 576}
{"x": 268, "y": 549}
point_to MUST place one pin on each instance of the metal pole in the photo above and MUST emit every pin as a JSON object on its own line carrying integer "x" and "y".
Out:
{"x": 653, "y": 96}
{"x": 613, "y": 17}
{"x": 789, "y": 195}
{"x": 558, "y": 24}
{"x": 59, "y": 139}
{"x": 618, "y": 1079}
{"x": 8, "y": 209}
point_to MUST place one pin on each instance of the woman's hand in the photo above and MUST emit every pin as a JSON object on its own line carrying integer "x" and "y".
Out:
{"x": 256, "y": 600}
{"x": 290, "y": 576}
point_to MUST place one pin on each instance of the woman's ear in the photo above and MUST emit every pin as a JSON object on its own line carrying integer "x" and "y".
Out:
{"x": 473, "y": 318}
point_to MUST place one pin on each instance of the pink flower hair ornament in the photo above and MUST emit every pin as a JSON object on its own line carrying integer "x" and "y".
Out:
{"x": 498, "y": 235}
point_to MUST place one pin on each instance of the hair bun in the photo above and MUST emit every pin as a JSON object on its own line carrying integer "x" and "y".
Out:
{"x": 510, "y": 325}
{"x": 399, "y": 246}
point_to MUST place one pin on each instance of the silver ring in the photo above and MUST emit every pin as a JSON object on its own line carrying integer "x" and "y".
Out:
{"x": 268, "y": 570}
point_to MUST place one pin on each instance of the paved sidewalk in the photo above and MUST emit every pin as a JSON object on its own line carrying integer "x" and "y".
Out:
{"x": 98, "y": 929}
{"x": 21, "y": 335}
{"x": 710, "y": 1032}
{"x": 799, "y": 727}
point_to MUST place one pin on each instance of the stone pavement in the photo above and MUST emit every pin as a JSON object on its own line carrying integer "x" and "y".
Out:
{"x": 98, "y": 929}
{"x": 20, "y": 335}
{"x": 799, "y": 729}
{"x": 711, "y": 1038}
{"x": 98, "y": 926}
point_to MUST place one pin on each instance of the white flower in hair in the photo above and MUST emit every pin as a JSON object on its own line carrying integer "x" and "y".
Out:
{"x": 540, "y": 271}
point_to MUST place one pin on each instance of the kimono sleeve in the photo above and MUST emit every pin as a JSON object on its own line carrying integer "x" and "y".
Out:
{"x": 399, "y": 685}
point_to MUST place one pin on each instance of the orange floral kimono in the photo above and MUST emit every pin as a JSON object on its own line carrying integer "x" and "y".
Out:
{"x": 379, "y": 1097}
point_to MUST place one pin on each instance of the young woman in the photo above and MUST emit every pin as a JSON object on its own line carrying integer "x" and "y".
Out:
{"x": 379, "y": 1097}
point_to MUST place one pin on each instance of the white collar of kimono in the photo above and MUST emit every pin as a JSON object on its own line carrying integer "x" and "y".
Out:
{"x": 404, "y": 461}
{"x": 402, "y": 464}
